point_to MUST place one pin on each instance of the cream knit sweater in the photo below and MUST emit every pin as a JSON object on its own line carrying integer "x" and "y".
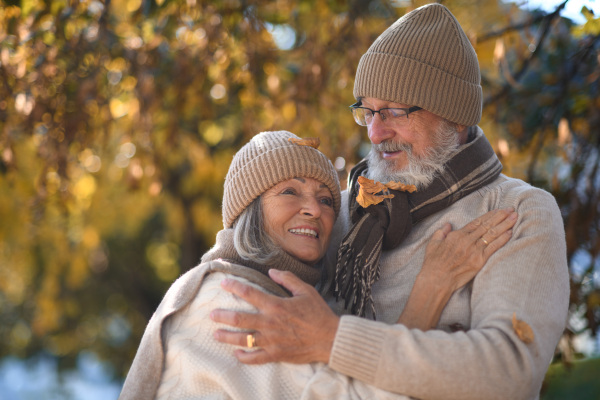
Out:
{"x": 178, "y": 357}
{"x": 484, "y": 358}
{"x": 198, "y": 367}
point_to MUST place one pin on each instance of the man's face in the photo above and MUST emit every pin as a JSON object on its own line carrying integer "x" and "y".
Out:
{"x": 411, "y": 151}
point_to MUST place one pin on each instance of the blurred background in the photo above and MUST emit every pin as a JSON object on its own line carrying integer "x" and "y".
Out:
{"x": 118, "y": 121}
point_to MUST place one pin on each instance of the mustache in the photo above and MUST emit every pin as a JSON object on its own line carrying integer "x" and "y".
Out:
{"x": 390, "y": 146}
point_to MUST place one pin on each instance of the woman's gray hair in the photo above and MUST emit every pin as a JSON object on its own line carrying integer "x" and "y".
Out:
{"x": 250, "y": 239}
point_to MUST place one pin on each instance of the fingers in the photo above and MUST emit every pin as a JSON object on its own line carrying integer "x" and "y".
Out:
{"x": 248, "y": 293}
{"x": 441, "y": 233}
{"x": 499, "y": 229}
{"x": 248, "y": 355}
{"x": 479, "y": 226}
{"x": 237, "y": 319}
{"x": 488, "y": 220}
{"x": 238, "y": 338}
{"x": 497, "y": 243}
{"x": 253, "y": 356}
{"x": 290, "y": 281}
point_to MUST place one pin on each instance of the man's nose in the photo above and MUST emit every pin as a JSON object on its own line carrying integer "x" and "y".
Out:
{"x": 378, "y": 130}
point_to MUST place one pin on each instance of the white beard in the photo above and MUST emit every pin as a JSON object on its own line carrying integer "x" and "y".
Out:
{"x": 421, "y": 170}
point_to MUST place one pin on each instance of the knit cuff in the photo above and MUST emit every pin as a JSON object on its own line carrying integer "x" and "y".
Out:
{"x": 357, "y": 348}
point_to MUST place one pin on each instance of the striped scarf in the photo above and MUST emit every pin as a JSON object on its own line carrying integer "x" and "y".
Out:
{"x": 385, "y": 226}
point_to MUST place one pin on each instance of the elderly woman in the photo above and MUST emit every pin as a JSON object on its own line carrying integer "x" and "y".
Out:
{"x": 280, "y": 203}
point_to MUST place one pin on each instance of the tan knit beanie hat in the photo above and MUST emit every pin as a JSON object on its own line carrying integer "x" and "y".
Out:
{"x": 424, "y": 59}
{"x": 268, "y": 159}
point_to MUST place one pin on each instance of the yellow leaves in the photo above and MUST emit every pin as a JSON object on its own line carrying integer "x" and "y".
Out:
{"x": 288, "y": 111}
{"x": 591, "y": 27}
{"x": 522, "y": 329}
{"x": 84, "y": 188}
{"x": 120, "y": 107}
{"x": 369, "y": 189}
{"x": 312, "y": 142}
{"x": 163, "y": 258}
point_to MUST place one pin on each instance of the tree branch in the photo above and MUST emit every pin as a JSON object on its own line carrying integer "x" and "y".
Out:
{"x": 546, "y": 24}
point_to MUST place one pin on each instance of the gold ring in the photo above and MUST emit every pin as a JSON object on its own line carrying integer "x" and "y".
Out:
{"x": 250, "y": 340}
{"x": 485, "y": 241}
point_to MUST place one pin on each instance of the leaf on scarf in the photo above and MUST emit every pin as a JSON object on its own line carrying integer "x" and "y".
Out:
{"x": 370, "y": 186}
{"x": 522, "y": 329}
{"x": 312, "y": 142}
{"x": 402, "y": 187}
{"x": 366, "y": 199}
{"x": 367, "y": 194}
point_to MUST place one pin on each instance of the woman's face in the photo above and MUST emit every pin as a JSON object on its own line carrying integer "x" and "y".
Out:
{"x": 299, "y": 216}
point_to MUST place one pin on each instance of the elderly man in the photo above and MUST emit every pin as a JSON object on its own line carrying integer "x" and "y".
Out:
{"x": 419, "y": 95}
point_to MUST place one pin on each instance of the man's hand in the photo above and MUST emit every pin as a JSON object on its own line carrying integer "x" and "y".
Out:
{"x": 299, "y": 330}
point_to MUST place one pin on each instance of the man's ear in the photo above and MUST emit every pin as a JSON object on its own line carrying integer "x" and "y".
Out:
{"x": 463, "y": 133}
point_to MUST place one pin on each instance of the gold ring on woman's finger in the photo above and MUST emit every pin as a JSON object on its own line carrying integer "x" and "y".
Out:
{"x": 485, "y": 241}
{"x": 250, "y": 340}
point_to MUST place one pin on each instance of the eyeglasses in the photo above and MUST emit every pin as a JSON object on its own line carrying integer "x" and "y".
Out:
{"x": 364, "y": 116}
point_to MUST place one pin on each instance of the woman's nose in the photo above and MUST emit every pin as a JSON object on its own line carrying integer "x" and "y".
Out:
{"x": 311, "y": 206}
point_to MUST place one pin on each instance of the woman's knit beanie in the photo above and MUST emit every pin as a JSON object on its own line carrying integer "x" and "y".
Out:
{"x": 268, "y": 159}
{"x": 424, "y": 59}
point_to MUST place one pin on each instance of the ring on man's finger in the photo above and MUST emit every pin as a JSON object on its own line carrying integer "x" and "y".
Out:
{"x": 485, "y": 241}
{"x": 250, "y": 340}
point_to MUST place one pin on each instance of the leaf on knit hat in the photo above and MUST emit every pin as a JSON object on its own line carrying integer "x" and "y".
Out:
{"x": 522, "y": 329}
{"x": 367, "y": 194}
{"x": 312, "y": 142}
{"x": 402, "y": 187}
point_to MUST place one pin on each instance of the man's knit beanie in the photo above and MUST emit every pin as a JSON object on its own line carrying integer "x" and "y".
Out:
{"x": 268, "y": 159}
{"x": 424, "y": 59}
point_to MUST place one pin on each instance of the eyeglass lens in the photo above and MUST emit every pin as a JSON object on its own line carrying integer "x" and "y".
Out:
{"x": 364, "y": 116}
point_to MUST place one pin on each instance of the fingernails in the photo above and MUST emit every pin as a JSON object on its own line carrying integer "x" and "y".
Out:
{"x": 509, "y": 209}
{"x": 225, "y": 283}
{"x": 513, "y": 216}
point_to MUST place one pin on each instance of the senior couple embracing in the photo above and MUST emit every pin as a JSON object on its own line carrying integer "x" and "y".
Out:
{"x": 310, "y": 293}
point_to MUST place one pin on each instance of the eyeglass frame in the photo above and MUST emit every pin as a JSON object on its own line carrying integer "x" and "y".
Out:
{"x": 358, "y": 104}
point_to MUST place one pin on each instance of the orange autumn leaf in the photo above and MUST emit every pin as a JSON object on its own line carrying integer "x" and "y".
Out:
{"x": 312, "y": 142}
{"x": 522, "y": 329}
{"x": 367, "y": 193}
{"x": 401, "y": 187}
{"x": 370, "y": 186}
{"x": 366, "y": 199}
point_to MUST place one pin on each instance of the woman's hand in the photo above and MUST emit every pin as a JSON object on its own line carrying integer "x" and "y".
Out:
{"x": 452, "y": 259}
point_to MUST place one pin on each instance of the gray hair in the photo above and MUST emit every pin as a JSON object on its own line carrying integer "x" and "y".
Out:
{"x": 422, "y": 169}
{"x": 250, "y": 239}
